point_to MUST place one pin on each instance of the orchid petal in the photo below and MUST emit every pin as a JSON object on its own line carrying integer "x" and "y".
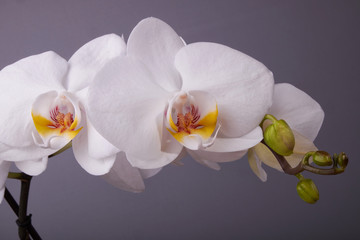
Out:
{"x": 197, "y": 156}
{"x": 90, "y": 58}
{"x": 266, "y": 156}
{"x": 148, "y": 173}
{"x": 23, "y": 153}
{"x": 98, "y": 146}
{"x": 128, "y": 111}
{"x": 216, "y": 156}
{"x": 182, "y": 154}
{"x": 302, "y": 146}
{"x": 22, "y": 82}
{"x": 122, "y": 175}
{"x": 4, "y": 170}
{"x": 237, "y": 144}
{"x": 298, "y": 109}
{"x": 32, "y": 167}
{"x": 94, "y": 153}
{"x": 242, "y": 86}
{"x": 255, "y": 165}
{"x": 156, "y": 43}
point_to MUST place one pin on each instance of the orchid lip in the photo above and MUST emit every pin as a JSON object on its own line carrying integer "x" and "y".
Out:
{"x": 191, "y": 118}
{"x": 55, "y": 116}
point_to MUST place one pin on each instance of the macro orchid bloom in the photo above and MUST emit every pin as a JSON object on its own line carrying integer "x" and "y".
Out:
{"x": 163, "y": 96}
{"x": 304, "y": 116}
{"x": 44, "y": 107}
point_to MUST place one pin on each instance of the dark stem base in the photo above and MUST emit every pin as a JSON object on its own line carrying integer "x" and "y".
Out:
{"x": 26, "y": 229}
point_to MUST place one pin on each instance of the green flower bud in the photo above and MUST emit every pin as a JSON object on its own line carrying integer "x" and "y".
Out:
{"x": 308, "y": 191}
{"x": 322, "y": 158}
{"x": 342, "y": 160}
{"x": 280, "y": 138}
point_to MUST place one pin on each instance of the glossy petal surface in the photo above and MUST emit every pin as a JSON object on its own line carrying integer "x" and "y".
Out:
{"x": 241, "y": 85}
{"x": 155, "y": 43}
{"x": 299, "y": 110}
{"x": 94, "y": 153}
{"x": 32, "y": 167}
{"x": 90, "y": 58}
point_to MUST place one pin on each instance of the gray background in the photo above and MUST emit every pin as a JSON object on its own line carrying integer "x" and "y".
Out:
{"x": 313, "y": 45}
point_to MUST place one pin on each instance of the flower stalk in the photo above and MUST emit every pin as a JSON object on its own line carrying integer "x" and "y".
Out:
{"x": 26, "y": 229}
{"x": 304, "y": 165}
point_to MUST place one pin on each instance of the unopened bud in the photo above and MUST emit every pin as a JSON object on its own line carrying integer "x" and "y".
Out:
{"x": 322, "y": 158}
{"x": 308, "y": 191}
{"x": 280, "y": 138}
{"x": 342, "y": 160}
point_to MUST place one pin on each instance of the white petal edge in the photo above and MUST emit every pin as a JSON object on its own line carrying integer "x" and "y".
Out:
{"x": 90, "y": 58}
{"x": 32, "y": 167}
{"x": 4, "y": 170}
{"x": 217, "y": 157}
{"x": 237, "y": 144}
{"x": 25, "y": 153}
{"x": 123, "y": 176}
{"x": 155, "y": 43}
{"x": 148, "y": 173}
{"x": 255, "y": 165}
{"x": 298, "y": 109}
{"x": 95, "y": 161}
{"x": 266, "y": 156}
{"x": 98, "y": 146}
{"x": 198, "y": 158}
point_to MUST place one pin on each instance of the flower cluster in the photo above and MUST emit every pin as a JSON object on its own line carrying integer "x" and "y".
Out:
{"x": 130, "y": 109}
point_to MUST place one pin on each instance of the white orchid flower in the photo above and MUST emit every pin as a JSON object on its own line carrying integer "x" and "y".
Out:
{"x": 304, "y": 116}
{"x": 22, "y": 85}
{"x": 44, "y": 107}
{"x": 164, "y": 96}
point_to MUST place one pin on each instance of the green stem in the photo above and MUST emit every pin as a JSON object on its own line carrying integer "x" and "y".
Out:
{"x": 284, "y": 164}
{"x": 67, "y": 146}
{"x": 19, "y": 176}
{"x": 15, "y": 175}
{"x": 303, "y": 165}
{"x": 24, "y": 220}
{"x": 330, "y": 171}
{"x": 299, "y": 176}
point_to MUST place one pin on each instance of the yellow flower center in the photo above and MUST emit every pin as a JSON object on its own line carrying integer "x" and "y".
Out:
{"x": 191, "y": 118}
{"x": 187, "y": 122}
{"x": 61, "y": 120}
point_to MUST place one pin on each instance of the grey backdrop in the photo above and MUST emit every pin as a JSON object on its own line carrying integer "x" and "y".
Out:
{"x": 313, "y": 45}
